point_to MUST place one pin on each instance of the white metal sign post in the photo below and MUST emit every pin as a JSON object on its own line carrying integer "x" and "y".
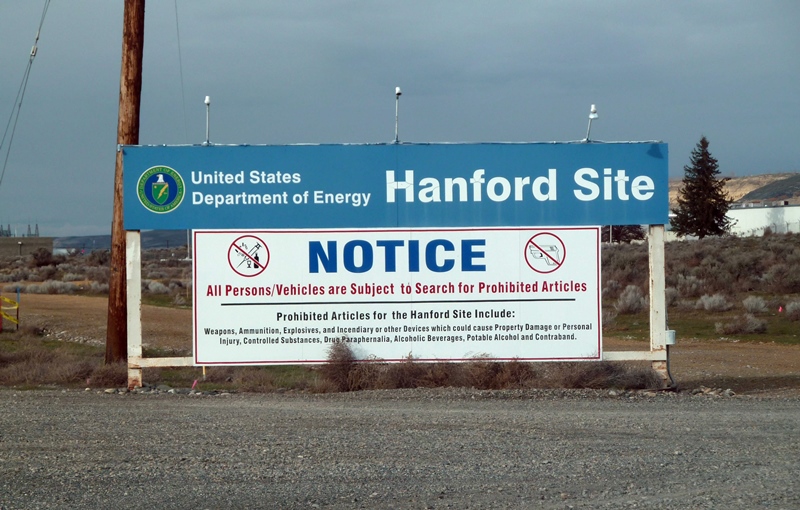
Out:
{"x": 283, "y": 297}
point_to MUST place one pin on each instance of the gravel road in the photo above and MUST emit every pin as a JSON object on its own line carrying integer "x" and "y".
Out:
{"x": 445, "y": 448}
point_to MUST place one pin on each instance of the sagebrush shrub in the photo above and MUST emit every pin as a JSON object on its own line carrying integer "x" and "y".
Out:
{"x": 626, "y": 265}
{"x": 611, "y": 289}
{"x": 154, "y": 274}
{"x": 744, "y": 269}
{"x": 10, "y": 289}
{"x": 631, "y": 300}
{"x": 793, "y": 311}
{"x": 754, "y": 304}
{"x": 69, "y": 267}
{"x": 671, "y": 296}
{"x": 99, "y": 258}
{"x": 609, "y": 317}
{"x": 782, "y": 279}
{"x": 715, "y": 303}
{"x": 154, "y": 287}
{"x": 742, "y": 324}
{"x": 97, "y": 274}
{"x": 34, "y": 276}
{"x": 98, "y": 288}
{"x": 51, "y": 287}
{"x": 689, "y": 286}
{"x": 711, "y": 270}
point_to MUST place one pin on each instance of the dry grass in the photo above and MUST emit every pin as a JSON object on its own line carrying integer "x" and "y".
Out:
{"x": 113, "y": 375}
{"x": 605, "y": 375}
{"x": 344, "y": 373}
{"x": 29, "y": 360}
{"x": 254, "y": 380}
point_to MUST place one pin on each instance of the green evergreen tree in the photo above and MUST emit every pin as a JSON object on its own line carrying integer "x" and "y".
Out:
{"x": 702, "y": 201}
{"x": 622, "y": 233}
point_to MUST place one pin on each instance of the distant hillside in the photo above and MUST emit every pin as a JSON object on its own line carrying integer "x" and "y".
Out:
{"x": 150, "y": 239}
{"x": 784, "y": 189}
{"x": 738, "y": 187}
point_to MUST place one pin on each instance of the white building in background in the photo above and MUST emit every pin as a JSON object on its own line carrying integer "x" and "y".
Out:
{"x": 752, "y": 219}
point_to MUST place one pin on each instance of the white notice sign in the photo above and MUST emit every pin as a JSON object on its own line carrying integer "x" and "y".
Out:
{"x": 285, "y": 296}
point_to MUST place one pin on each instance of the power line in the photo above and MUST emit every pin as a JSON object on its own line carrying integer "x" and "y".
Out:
{"x": 180, "y": 68}
{"x": 21, "y": 95}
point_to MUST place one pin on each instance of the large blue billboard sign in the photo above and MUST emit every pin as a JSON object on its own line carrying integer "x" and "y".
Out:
{"x": 395, "y": 185}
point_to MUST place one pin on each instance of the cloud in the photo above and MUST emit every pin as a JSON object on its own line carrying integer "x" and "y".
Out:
{"x": 325, "y": 71}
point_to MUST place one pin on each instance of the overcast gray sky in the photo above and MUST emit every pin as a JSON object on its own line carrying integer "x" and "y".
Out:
{"x": 325, "y": 72}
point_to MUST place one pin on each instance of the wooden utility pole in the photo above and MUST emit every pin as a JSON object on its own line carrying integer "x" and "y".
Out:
{"x": 130, "y": 93}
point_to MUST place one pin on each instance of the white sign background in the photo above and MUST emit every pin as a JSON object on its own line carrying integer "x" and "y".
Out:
{"x": 287, "y": 314}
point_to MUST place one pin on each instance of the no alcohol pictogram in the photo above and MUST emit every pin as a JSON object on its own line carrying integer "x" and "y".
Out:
{"x": 248, "y": 256}
{"x": 545, "y": 252}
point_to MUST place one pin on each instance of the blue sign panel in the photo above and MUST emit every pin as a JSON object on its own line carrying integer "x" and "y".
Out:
{"x": 395, "y": 185}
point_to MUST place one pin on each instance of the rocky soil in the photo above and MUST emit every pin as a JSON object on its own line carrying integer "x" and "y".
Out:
{"x": 415, "y": 449}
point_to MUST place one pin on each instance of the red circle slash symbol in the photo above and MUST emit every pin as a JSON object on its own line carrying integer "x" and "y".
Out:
{"x": 545, "y": 252}
{"x": 248, "y": 256}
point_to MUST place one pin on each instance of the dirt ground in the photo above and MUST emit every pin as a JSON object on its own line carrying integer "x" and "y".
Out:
{"x": 752, "y": 368}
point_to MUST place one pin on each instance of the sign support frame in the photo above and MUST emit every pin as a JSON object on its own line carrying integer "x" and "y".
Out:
{"x": 657, "y": 355}
{"x": 136, "y": 361}
{"x": 658, "y": 300}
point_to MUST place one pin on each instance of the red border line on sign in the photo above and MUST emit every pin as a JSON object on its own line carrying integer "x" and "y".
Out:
{"x": 326, "y": 303}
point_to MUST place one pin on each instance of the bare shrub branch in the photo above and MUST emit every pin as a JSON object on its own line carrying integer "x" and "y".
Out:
{"x": 341, "y": 361}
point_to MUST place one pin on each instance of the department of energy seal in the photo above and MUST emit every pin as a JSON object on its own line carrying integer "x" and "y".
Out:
{"x": 160, "y": 189}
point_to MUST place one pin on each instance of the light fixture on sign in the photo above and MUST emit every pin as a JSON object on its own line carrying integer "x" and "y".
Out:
{"x": 208, "y": 107}
{"x": 397, "y": 94}
{"x": 592, "y": 115}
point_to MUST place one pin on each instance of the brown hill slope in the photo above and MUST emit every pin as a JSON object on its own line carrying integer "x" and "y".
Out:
{"x": 736, "y": 187}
